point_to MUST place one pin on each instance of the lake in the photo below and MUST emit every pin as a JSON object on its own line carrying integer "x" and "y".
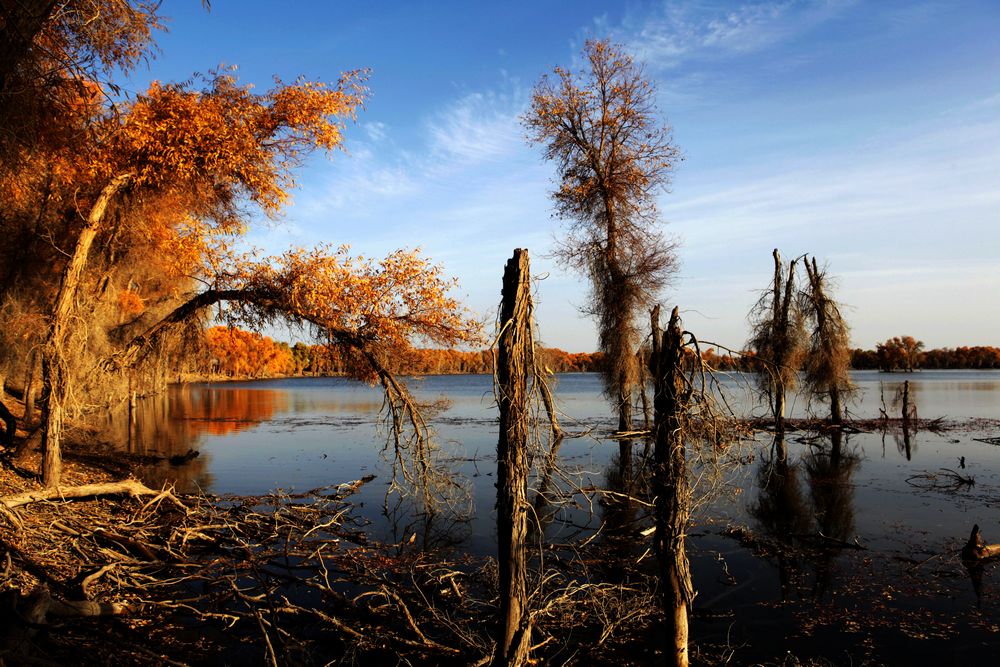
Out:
{"x": 843, "y": 548}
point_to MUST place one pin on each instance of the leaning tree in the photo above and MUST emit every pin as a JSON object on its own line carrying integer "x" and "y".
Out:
{"x": 614, "y": 154}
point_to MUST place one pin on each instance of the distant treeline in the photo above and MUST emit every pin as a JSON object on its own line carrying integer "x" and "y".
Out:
{"x": 975, "y": 357}
{"x": 234, "y": 353}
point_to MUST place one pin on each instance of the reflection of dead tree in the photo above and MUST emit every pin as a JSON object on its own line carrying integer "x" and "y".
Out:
{"x": 905, "y": 427}
{"x": 943, "y": 480}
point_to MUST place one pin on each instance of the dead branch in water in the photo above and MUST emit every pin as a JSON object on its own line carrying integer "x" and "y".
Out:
{"x": 945, "y": 479}
{"x": 976, "y": 548}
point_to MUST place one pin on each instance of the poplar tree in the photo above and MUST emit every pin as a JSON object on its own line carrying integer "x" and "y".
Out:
{"x": 614, "y": 155}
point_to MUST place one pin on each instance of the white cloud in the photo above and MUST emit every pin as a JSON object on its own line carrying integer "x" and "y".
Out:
{"x": 376, "y": 131}
{"x": 678, "y": 32}
{"x": 478, "y": 127}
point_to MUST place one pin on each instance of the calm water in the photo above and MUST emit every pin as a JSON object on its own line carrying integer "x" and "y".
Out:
{"x": 883, "y": 491}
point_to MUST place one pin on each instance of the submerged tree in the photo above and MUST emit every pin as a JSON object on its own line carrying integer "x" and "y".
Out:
{"x": 601, "y": 128}
{"x": 828, "y": 358}
{"x": 778, "y": 338}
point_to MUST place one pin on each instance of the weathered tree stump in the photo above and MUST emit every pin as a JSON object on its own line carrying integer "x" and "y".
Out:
{"x": 976, "y": 548}
{"x": 512, "y": 372}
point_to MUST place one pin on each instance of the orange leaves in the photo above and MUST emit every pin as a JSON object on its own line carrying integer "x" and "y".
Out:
{"x": 130, "y": 303}
{"x": 385, "y": 305}
{"x": 239, "y": 353}
{"x": 241, "y": 142}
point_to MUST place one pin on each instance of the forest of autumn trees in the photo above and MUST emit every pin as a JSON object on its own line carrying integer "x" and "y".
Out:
{"x": 230, "y": 352}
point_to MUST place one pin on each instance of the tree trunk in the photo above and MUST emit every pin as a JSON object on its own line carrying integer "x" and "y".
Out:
{"x": 671, "y": 487}
{"x": 29, "y": 388}
{"x": 54, "y": 362}
{"x": 513, "y": 369}
{"x": 836, "y": 411}
{"x": 624, "y": 410}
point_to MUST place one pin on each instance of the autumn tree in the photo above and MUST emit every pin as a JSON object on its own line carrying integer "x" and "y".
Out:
{"x": 55, "y": 53}
{"x": 777, "y": 338}
{"x": 899, "y": 352}
{"x": 373, "y": 312}
{"x": 828, "y": 356}
{"x": 206, "y": 152}
{"x": 613, "y": 154}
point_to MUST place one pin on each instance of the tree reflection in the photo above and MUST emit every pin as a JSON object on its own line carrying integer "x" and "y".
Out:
{"x": 781, "y": 511}
{"x": 621, "y": 515}
{"x": 830, "y": 474}
{"x": 808, "y": 532}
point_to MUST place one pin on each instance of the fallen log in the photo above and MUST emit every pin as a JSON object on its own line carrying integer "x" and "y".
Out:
{"x": 131, "y": 487}
{"x": 976, "y": 548}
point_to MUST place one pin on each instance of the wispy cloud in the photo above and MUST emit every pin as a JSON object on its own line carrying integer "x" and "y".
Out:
{"x": 478, "y": 127}
{"x": 376, "y": 131}
{"x": 910, "y": 223}
{"x": 679, "y": 32}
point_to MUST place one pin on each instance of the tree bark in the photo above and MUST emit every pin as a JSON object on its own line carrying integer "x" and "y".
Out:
{"x": 513, "y": 369}
{"x": 29, "y": 388}
{"x": 54, "y": 363}
{"x": 836, "y": 411}
{"x": 671, "y": 487}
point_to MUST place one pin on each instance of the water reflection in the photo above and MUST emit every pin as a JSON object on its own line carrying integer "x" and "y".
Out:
{"x": 623, "y": 508}
{"x": 808, "y": 532}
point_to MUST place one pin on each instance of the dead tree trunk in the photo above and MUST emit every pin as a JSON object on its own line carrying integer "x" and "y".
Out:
{"x": 976, "y": 548}
{"x": 513, "y": 370}
{"x": 31, "y": 376}
{"x": 671, "y": 487}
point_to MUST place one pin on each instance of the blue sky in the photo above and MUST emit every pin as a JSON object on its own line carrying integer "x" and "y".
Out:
{"x": 866, "y": 133}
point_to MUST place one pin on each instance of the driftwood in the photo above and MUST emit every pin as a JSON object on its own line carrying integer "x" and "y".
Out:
{"x": 976, "y": 548}
{"x": 131, "y": 487}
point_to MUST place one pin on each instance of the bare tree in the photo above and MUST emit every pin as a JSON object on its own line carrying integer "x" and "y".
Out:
{"x": 601, "y": 127}
{"x": 514, "y": 361}
{"x": 778, "y": 338}
{"x": 828, "y": 359}
{"x": 671, "y": 402}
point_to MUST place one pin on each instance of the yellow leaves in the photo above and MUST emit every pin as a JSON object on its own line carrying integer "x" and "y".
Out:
{"x": 243, "y": 143}
{"x": 130, "y": 303}
{"x": 386, "y": 304}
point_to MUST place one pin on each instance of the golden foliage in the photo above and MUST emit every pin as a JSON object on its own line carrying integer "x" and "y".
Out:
{"x": 379, "y": 305}
{"x": 130, "y": 303}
